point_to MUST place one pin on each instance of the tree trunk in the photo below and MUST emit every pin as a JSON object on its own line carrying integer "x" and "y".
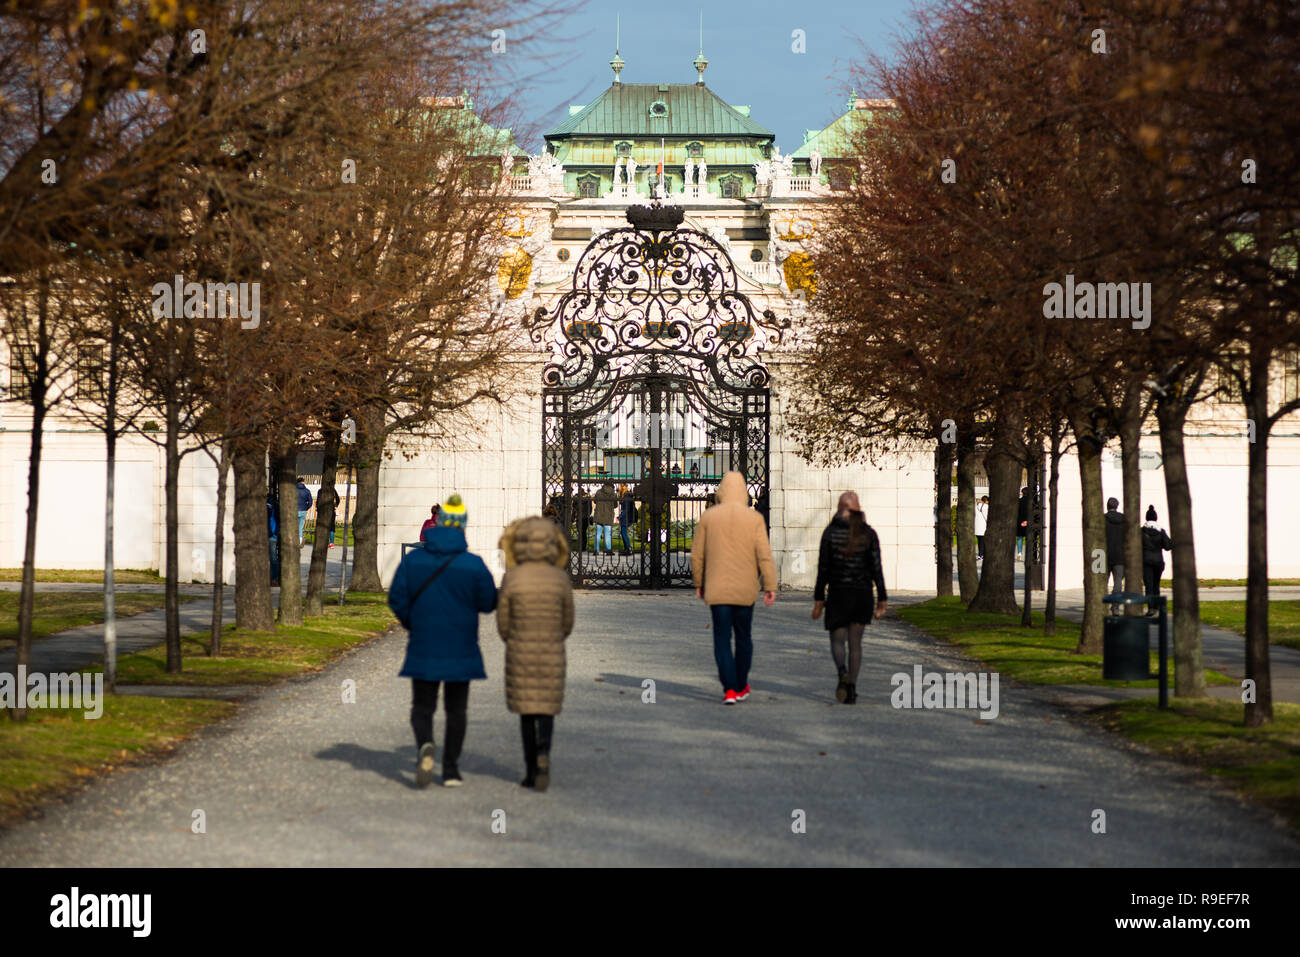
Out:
{"x": 997, "y": 588}
{"x": 325, "y": 513}
{"x": 27, "y": 595}
{"x": 219, "y": 556}
{"x": 365, "y": 522}
{"x": 1189, "y": 668}
{"x": 285, "y": 473}
{"x": 171, "y": 490}
{"x": 1053, "y": 481}
{"x": 1130, "y": 438}
{"x": 943, "y": 454}
{"x": 110, "y": 610}
{"x": 253, "y": 608}
{"x": 1089, "y": 448}
{"x": 1260, "y": 711}
{"x": 967, "y": 570}
{"x": 1034, "y": 530}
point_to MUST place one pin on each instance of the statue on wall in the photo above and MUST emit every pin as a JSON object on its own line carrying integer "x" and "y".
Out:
{"x": 618, "y": 169}
{"x": 762, "y": 172}
{"x": 690, "y": 170}
{"x": 701, "y": 172}
{"x": 631, "y": 172}
{"x": 815, "y": 162}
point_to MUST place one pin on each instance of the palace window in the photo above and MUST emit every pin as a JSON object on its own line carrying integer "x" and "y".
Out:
{"x": 589, "y": 186}
{"x": 22, "y": 372}
{"x": 623, "y": 149}
{"x": 1291, "y": 376}
{"x": 839, "y": 176}
{"x": 90, "y": 373}
{"x": 731, "y": 187}
{"x": 658, "y": 108}
{"x": 695, "y": 150}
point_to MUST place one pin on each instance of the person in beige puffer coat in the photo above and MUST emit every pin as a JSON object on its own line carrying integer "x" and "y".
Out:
{"x": 534, "y": 616}
{"x": 729, "y": 554}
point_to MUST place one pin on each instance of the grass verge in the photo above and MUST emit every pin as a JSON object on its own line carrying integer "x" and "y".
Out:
{"x": 55, "y": 751}
{"x": 1025, "y": 654}
{"x": 1262, "y": 764}
{"x": 261, "y": 657}
{"x": 1283, "y": 619}
{"x": 57, "y": 610}
{"x": 1167, "y": 583}
{"x": 92, "y": 576}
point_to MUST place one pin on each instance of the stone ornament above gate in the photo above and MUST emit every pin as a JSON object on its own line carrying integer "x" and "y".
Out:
{"x": 655, "y": 289}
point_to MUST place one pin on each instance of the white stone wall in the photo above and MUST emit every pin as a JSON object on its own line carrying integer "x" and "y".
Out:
{"x": 497, "y": 471}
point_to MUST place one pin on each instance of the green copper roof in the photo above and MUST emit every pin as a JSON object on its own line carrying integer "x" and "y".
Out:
{"x": 690, "y": 110}
{"x": 836, "y": 140}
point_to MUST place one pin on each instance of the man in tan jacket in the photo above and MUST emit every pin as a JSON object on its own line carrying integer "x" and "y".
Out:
{"x": 729, "y": 553}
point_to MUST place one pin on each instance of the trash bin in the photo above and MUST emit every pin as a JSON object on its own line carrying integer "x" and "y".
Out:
{"x": 1126, "y": 641}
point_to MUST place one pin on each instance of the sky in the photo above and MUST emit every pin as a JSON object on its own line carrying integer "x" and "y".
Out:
{"x": 749, "y": 46}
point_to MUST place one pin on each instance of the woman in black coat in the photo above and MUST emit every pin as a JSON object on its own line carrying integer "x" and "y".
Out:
{"x": 1155, "y": 542}
{"x": 849, "y": 567}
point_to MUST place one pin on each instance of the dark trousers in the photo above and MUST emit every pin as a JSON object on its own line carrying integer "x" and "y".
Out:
{"x": 424, "y": 702}
{"x": 733, "y": 669}
{"x": 1151, "y": 575}
{"x": 536, "y": 730}
{"x": 979, "y": 546}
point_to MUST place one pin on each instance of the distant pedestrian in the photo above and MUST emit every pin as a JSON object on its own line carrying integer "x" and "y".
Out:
{"x": 584, "y": 509}
{"x": 1022, "y": 522}
{"x": 430, "y": 522}
{"x": 304, "y": 506}
{"x": 606, "y": 500}
{"x": 534, "y": 616}
{"x": 981, "y": 525}
{"x": 627, "y": 516}
{"x": 1114, "y": 545}
{"x": 334, "y": 511}
{"x": 730, "y": 553}
{"x": 850, "y": 568}
{"x": 1155, "y": 542}
{"x": 437, "y": 594}
{"x": 552, "y": 515}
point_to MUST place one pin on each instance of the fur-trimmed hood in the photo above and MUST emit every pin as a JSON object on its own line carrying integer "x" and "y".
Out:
{"x": 534, "y": 539}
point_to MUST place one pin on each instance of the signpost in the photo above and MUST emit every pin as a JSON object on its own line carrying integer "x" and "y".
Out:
{"x": 349, "y": 437}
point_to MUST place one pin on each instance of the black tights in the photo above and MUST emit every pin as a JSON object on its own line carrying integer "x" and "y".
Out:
{"x": 536, "y": 730}
{"x": 424, "y": 702}
{"x": 852, "y": 636}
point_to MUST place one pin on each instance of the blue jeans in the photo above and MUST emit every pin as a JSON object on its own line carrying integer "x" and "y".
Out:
{"x": 302, "y": 520}
{"x": 608, "y": 532}
{"x": 733, "y": 670}
{"x": 627, "y": 539}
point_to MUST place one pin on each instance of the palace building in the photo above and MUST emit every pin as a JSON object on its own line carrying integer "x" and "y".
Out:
{"x": 655, "y": 354}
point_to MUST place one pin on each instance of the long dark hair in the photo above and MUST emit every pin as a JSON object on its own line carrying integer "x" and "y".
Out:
{"x": 857, "y": 532}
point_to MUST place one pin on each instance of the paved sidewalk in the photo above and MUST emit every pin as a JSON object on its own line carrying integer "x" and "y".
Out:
{"x": 298, "y": 778}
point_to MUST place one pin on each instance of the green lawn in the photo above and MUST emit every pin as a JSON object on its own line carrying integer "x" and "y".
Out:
{"x": 1261, "y": 763}
{"x": 1229, "y": 582}
{"x": 1283, "y": 619}
{"x": 1025, "y": 654}
{"x": 92, "y": 576}
{"x": 257, "y": 657}
{"x": 55, "y": 751}
{"x": 55, "y": 611}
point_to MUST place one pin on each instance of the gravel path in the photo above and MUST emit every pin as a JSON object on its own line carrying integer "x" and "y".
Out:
{"x": 300, "y": 778}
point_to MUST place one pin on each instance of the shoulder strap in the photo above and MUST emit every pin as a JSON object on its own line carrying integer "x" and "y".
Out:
{"x": 429, "y": 581}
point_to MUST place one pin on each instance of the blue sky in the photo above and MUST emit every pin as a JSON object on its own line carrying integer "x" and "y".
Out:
{"x": 748, "y": 46}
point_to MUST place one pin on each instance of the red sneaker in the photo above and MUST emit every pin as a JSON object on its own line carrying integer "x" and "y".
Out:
{"x": 742, "y": 695}
{"x": 729, "y": 698}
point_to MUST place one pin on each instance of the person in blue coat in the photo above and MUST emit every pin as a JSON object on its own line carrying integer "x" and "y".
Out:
{"x": 437, "y": 594}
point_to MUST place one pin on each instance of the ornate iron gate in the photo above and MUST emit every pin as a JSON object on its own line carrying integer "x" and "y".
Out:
{"x": 656, "y": 386}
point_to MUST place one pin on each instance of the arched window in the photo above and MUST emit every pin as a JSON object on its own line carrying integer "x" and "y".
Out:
{"x": 695, "y": 150}
{"x": 589, "y": 186}
{"x": 731, "y": 187}
{"x": 623, "y": 149}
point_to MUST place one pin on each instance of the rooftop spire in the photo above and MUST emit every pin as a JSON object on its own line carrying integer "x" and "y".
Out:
{"x": 617, "y": 63}
{"x": 701, "y": 63}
